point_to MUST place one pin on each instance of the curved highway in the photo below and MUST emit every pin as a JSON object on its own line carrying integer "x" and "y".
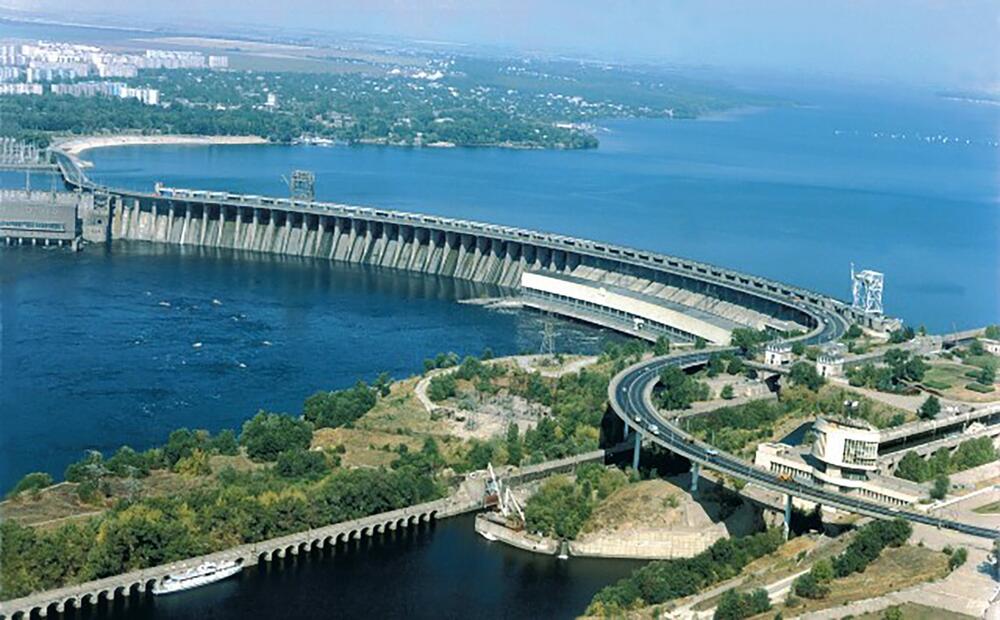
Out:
{"x": 630, "y": 396}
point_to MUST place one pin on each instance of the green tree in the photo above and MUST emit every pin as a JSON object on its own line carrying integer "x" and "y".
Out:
{"x": 515, "y": 450}
{"x": 804, "y": 373}
{"x": 300, "y": 463}
{"x": 31, "y": 483}
{"x": 225, "y": 443}
{"x": 727, "y": 392}
{"x": 930, "y": 408}
{"x": 912, "y": 467}
{"x": 940, "y": 488}
{"x": 662, "y": 346}
{"x": 268, "y": 434}
{"x": 441, "y": 387}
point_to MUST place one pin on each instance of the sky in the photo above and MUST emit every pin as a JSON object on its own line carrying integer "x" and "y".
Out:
{"x": 952, "y": 43}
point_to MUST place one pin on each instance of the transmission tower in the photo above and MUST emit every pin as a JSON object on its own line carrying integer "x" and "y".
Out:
{"x": 866, "y": 287}
{"x": 302, "y": 185}
{"x": 548, "y": 339}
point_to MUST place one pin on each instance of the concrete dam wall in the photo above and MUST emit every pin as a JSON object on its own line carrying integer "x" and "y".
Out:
{"x": 483, "y": 253}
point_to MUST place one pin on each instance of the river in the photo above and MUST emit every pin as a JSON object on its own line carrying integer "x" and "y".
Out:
{"x": 99, "y": 348}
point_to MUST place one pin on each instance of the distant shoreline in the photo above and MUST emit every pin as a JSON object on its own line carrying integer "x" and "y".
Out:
{"x": 76, "y": 146}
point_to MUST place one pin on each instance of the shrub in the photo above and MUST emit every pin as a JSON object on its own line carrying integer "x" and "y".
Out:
{"x": 936, "y": 385}
{"x": 334, "y": 409}
{"x": 736, "y": 605}
{"x": 979, "y": 387}
{"x": 940, "y": 488}
{"x": 665, "y": 580}
{"x": 958, "y": 557}
{"x": 441, "y": 387}
{"x": 807, "y": 586}
{"x": 266, "y": 435}
{"x": 225, "y": 443}
{"x": 804, "y": 373}
{"x": 930, "y": 408}
{"x": 299, "y": 463}
{"x": 34, "y": 482}
{"x": 727, "y": 392}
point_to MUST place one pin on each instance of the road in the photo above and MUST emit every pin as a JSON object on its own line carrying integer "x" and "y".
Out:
{"x": 629, "y": 394}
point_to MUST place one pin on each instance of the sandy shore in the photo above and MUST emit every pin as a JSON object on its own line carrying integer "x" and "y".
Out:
{"x": 76, "y": 146}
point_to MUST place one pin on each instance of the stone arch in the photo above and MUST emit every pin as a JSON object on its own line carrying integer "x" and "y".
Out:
{"x": 411, "y": 520}
{"x": 263, "y": 556}
{"x": 329, "y": 541}
{"x": 433, "y": 515}
{"x": 71, "y": 601}
{"x": 343, "y": 537}
{"x": 121, "y": 590}
{"x": 365, "y": 531}
{"x": 136, "y": 587}
{"x": 89, "y": 598}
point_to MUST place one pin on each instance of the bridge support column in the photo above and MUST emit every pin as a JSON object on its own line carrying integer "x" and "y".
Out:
{"x": 636, "y": 449}
{"x": 788, "y": 516}
{"x": 695, "y": 474}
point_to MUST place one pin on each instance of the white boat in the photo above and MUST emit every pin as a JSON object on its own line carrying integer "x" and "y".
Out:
{"x": 201, "y": 575}
{"x": 488, "y": 536}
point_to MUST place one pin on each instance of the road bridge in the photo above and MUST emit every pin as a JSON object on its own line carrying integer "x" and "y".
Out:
{"x": 487, "y": 253}
{"x": 630, "y": 396}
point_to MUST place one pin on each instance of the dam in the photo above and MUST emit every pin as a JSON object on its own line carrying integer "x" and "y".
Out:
{"x": 641, "y": 293}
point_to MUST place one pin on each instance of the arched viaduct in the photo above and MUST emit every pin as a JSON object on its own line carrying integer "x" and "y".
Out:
{"x": 137, "y": 582}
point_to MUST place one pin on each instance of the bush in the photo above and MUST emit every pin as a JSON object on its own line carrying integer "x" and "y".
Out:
{"x": 940, "y": 488}
{"x": 979, "y": 387}
{"x": 662, "y": 581}
{"x": 225, "y": 443}
{"x": 727, "y": 392}
{"x": 735, "y": 605}
{"x": 958, "y": 557}
{"x": 335, "y": 409}
{"x": 868, "y": 543}
{"x": 34, "y": 482}
{"x": 441, "y": 387}
{"x": 930, "y": 408}
{"x": 804, "y": 373}
{"x": 807, "y": 586}
{"x": 266, "y": 435}
{"x": 936, "y": 385}
{"x": 299, "y": 463}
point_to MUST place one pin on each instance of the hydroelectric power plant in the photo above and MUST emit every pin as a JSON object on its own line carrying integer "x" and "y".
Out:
{"x": 640, "y": 293}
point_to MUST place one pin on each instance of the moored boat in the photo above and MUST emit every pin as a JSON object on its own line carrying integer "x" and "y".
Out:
{"x": 201, "y": 575}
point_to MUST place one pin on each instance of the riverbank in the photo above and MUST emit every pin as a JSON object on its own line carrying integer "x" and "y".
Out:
{"x": 76, "y": 146}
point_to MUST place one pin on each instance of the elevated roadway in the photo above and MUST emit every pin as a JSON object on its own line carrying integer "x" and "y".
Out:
{"x": 630, "y": 395}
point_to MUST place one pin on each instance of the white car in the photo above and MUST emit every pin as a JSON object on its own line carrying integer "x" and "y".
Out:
{"x": 712, "y": 452}
{"x": 654, "y": 429}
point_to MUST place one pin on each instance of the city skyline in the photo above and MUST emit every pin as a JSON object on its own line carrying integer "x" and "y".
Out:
{"x": 926, "y": 43}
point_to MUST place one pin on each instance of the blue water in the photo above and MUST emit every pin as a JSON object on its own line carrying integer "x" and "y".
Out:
{"x": 97, "y": 349}
{"x": 795, "y": 193}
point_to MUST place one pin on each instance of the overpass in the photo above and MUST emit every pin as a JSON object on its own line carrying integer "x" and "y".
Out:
{"x": 630, "y": 396}
{"x": 683, "y": 298}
